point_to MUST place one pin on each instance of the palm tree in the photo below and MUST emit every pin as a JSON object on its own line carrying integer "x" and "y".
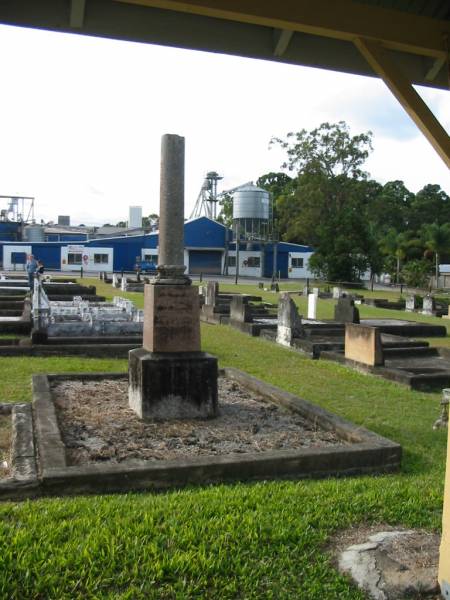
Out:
{"x": 395, "y": 244}
{"x": 437, "y": 239}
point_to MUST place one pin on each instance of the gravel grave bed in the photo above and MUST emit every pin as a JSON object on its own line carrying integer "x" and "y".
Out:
{"x": 97, "y": 425}
{"x": 5, "y": 446}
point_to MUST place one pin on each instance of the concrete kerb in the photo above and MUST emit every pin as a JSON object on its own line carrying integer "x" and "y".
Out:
{"x": 424, "y": 381}
{"x": 74, "y": 349}
{"x": 24, "y": 481}
{"x": 369, "y": 453}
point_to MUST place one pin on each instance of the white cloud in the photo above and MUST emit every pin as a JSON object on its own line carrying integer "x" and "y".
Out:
{"x": 81, "y": 120}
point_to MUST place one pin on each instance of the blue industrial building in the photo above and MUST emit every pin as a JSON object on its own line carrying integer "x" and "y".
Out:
{"x": 209, "y": 249}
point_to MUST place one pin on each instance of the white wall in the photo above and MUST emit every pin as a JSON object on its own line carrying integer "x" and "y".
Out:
{"x": 87, "y": 253}
{"x": 245, "y": 270}
{"x": 149, "y": 251}
{"x": 8, "y": 251}
{"x": 299, "y": 272}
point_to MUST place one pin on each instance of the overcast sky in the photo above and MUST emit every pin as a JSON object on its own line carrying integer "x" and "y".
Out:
{"x": 81, "y": 121}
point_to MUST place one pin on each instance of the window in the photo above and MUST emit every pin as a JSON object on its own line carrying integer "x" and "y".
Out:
{"x": 151, "y": 258}
{"x": 231, "y": 261}
{"x": 253, "y": 261}
{"x": 297, "y": 263}
{"x": 101, "y": 259}
{"x": 18, "y": 258}
{"x": 74, "y": 258}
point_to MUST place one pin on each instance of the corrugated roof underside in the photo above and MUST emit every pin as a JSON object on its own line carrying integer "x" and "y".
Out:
{"x": 436, "y": 9}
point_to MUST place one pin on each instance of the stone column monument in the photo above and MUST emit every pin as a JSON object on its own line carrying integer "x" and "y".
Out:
{"x": 170, "y": 378}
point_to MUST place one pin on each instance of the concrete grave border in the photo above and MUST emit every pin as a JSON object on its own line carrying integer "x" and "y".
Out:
{"x": 424, "y": 382}
{"x": 24, "y": 482}
{"x": 370, "y": 453}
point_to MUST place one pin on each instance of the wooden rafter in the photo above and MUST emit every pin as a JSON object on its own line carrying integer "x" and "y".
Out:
{"x": 402, "y": 89}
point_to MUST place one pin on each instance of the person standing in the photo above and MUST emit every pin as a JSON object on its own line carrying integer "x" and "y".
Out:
{"x": 31, "y": 268}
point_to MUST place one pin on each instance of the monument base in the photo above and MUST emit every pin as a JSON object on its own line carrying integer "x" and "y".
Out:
{"x": 39, "y": 336}
{"x": 172, "y": 385}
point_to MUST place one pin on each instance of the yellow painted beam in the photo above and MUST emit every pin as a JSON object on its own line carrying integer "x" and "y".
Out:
{"x": 444, "y": 555}
{"x": 402, "y": 89}
{"x": 339, "y": 19}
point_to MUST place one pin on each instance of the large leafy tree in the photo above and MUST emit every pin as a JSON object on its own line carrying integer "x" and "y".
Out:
{"x": 327, "y": 207}
{"x": 329, "y": 149}
{"x": 430, "y": 205}
{"x": 390, "y": 207}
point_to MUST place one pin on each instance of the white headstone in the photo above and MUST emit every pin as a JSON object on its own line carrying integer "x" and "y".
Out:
{"x": 428, "y": 306}
{"x": 312, "y": 306}
{"x": 316, "y": 292}
{"x": 337, "y": 293}
{"x": 410, "y": 304}
{"x": 115, "y": 281}
{"x": 124, "y": 284}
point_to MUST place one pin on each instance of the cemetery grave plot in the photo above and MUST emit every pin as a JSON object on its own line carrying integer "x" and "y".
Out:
{"x": 90, "y": 441}
{"x": 78, "y": 327}
{"x": 18, "y": 473}
{"x": 98, "y": 425}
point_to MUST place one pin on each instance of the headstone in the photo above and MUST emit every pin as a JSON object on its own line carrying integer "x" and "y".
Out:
{"x": 239, "y": 310}
{"x": 261, "y": 285}
{"x": 345, "y": 311}
{"x": 312, "y": 306}
{"x": 169, "y": 377}
{"x": 212, "y": 290}
{"x": 363, "y": 344}
{"x": 274, "y": 287}
{"x": 447, "y": 316}
{"x": 429, "y": 306}
{"x": 289, "y": 321}
{"x": 337, "y": 293}
{"x": 124, "y": 284}
{"x": 115, "y": 281}
{"x": 411, "y": 304}
{"x": 315, "y": 291}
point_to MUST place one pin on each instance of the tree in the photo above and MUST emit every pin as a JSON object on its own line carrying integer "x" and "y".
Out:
{"x": 327, "y": 205}
{"x": 390, "y": 207}
{"x": 226, "y": 209}
{"x": 151, "y": 222}
{"x": 416, "y": 273}
{"x": 275, "y": 183}
{"x": 430, "y": 205}
{"x": 121, "y": 224}
{"x": 328, "y": 149}
{"x": 437, "y": 240}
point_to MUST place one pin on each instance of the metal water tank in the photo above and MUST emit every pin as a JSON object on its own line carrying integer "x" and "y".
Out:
{"x": 34, "y": 233}
{"x": 251, "y": 202}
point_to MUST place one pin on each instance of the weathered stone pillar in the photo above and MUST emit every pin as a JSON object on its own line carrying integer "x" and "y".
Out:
{"x": 170, "y": 378}
{"x": 171, "y": 212}
{"x": 444, "y": 555}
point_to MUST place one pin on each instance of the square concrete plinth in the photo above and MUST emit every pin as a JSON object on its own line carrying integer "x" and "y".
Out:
{"x": 175, "y": 385}
{"x": 171, "y": 318}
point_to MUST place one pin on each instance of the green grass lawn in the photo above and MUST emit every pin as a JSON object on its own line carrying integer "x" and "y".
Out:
{"x": 244, "y": 541}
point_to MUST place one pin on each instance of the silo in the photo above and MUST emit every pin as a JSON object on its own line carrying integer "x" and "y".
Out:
{"x": 135, "y": 217}
{"x": 251, "y": 212}
{"x": 34, "y": 233}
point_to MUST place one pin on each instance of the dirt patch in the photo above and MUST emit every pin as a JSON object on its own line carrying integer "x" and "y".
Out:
{"x": 97, "y": 425}
{"x": 5, "y": 446}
